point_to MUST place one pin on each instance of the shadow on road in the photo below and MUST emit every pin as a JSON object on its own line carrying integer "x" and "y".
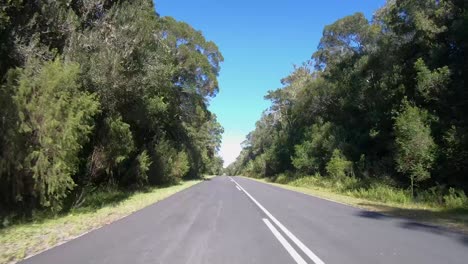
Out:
{"x": 408, "y": 219}
{"x": 372, "y": 215}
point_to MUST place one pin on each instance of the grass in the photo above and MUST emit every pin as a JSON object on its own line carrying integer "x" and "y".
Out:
{"x": 384, "y": 198}
{"x": 100, "y": 208}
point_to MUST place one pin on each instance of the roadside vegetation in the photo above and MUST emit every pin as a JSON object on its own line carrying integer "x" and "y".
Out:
{"x": 97, "y": 95}
{"x": 379, "y": 113}
{"x": 101, "y": 207}
{"x": 432, "y": 206}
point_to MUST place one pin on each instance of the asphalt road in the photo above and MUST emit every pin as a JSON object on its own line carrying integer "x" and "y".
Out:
{"x": 237, "y": 220}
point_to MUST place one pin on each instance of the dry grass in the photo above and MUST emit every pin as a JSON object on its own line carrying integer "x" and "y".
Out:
{"x": 21, "y": 240}
{"x": 452, "y": 219}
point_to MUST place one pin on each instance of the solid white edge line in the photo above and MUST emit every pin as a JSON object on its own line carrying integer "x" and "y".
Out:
{"x": 308, "y": 194}
{"x": 296, "y": 240}
{"x": 238, "y": 188}
{"x": 285, "y": 243}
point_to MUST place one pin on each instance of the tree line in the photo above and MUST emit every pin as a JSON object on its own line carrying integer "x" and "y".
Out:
{"x": 383, "y": 99}
{"x": 101, "y": 93}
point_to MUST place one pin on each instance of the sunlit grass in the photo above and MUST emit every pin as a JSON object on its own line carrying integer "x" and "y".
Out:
{"x": 102, "y": 207}
{"x": 380, "y": 198}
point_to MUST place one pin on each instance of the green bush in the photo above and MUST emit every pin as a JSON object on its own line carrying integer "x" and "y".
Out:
{"x": 432, "y": 196}
{"x": 415, "y": 147}
{"x": 109, "y": 156}
{"x": 171, "y": 164}
{"x": 284, "y": 178}
{"x": 143, "y": 166}
{"x": 256, "y": 167}
{"x": 311, "y": 155}
{"x": 455, "y": 199}
{"x": 338, "y": 166}
{"x": 56, "y": 118}
{"x": 179, "y": 165}
{"x": 118, "y": 141}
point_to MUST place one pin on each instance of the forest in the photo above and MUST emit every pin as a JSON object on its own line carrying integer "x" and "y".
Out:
{"x": 381, "y": 106}
{"x": 101, "y": 93}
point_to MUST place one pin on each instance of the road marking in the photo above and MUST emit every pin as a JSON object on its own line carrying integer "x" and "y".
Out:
{"x": 285, "y": 243}
{"x": 238, "y": 188}
{"x": 296, "y": 240}
{"x": 307, "y": 194}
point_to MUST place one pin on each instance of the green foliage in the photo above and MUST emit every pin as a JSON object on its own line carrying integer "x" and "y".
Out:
{"x": 56, "y": 120}
{"x": 339, "y": 184}
{"x": 109, "y": 156}
{"x": 415, "y": 148}
{"x": 379, "y": 190}
{"x": 101, "y": 94}
{"x": 257, "y": 167}
{"x": 312, "y": 155}
{"x": 346, "y": 37}
{"x": 382, "y": 192}
{"x": 179, "y": 165}
{"x": 172, "y": 164}
{"x": 455, "y": 199}
{"x": 144, "y": 163}
{"x": 118, "y": 141}
{"x": 411, "y": 52}
{"x": 284, "y": 178}
{"x": 100, "y": 207}
{"x": 215, "y": 166}
{"x": 374, "y": 190}
{"x": 198, "y": 60}
{"x": 339, "y": 166}
{"x": 431, "y": 84}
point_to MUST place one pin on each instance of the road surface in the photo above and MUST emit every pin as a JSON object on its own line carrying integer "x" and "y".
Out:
{"x": 238, "y": 220}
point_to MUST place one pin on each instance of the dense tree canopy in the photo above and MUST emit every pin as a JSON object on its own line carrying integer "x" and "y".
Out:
{"x": 101, "y": 92}
{"x": 384, "y": 98}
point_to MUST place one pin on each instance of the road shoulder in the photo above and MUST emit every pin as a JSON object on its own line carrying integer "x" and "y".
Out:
{"x": 22, "y": 241}
{"x": 421, "y": 214}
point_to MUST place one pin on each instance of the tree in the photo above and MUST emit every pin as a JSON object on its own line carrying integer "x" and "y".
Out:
{"x": 346, "y": 37}
{"x": 101, "y": 93}
{"x": 338, "y": 166}
{"x": 414, "y": 145}
{"x": 56, "y": 120}
{"x": 411, "y": 51}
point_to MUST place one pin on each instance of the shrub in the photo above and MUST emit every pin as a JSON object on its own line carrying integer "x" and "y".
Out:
{"x": 415, "y": 147}
{"x": 119, "y": 140}
{"x": 179, "y": 165}
{"x": 143, "y": 166}
{"x": 284, "y": 178}
{"x": 455, "y": 199}
{"x": 433, "y": 195}
{"x": 171, "y": 164}
{"x": 311, "y": 155}
{"x": 256, "y": 168}
{"x": 109, "y": 156}
{"x": 56, "y": 119}
{"x": 338, "y": 166}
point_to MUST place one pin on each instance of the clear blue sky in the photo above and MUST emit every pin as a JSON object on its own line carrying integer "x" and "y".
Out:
{"x": 261, "y": 41}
